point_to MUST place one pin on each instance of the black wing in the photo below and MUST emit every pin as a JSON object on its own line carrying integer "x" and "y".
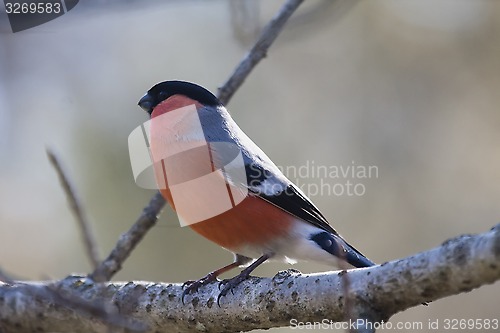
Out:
{"x": 285, "y": 196}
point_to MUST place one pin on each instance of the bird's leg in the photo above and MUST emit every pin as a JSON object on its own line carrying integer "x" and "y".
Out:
{"x": 193, "y": 286}
{"x": 229, "y": 284}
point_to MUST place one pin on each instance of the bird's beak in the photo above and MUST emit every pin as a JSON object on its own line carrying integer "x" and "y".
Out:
{"x": 146, "y": 103}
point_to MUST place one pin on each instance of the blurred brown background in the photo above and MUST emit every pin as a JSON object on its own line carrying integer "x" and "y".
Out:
{"x": 410, "y": 86}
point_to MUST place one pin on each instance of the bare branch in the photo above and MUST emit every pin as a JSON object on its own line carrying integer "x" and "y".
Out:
{"x": 129, "y": 240}
{"x": 148, "y": 219}
{"x": 95, "y": 313}
{"x": 258, "y": 51}
{"x": 78, "y": 212}
{"x": 50, "y": 292}
{"x": 458, "y": 265}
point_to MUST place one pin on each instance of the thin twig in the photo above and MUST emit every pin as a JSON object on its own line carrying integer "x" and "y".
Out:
{"x": 129, "y": 240}
{"x": 258, "y": 51}
{"x": 76, "y": 208}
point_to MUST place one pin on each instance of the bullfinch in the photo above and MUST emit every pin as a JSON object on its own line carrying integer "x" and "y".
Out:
{"x": 224, "y": 187}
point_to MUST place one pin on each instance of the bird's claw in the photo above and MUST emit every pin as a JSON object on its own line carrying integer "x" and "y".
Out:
{"x": 192, "y": 286}
{"x": 229, "y": 285}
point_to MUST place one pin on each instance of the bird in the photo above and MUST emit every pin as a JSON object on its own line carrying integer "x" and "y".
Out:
{"x": 225, "y": 188}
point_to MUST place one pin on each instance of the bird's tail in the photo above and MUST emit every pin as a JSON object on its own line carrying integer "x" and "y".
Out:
{"x": 336, "y": 245}
{"x": 356, "y": 258}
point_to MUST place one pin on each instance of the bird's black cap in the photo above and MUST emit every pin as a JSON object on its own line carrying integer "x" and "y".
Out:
{"x": 163, "y": 90}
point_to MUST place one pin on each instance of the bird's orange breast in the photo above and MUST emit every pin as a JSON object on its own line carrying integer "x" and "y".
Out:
{"x": 252, "y": 222}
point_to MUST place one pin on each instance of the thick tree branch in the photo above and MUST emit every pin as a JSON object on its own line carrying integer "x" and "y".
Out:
{"x": 458, "y": 265}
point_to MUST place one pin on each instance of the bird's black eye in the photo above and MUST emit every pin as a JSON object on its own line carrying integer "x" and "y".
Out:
{"x": 162, "y": 96}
